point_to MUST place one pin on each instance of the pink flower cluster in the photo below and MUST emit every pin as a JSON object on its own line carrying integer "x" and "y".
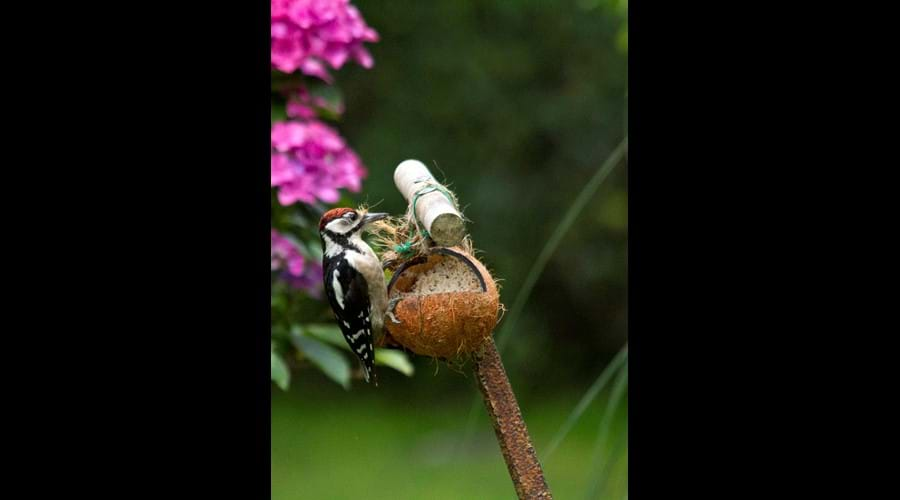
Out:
{"x": 307, "y": 34}
{"x": 311, "y": 161}
{"x": 293, "y": 267}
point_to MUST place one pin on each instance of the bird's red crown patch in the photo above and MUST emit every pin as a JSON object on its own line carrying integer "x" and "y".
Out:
{"x": 332, "y": 214}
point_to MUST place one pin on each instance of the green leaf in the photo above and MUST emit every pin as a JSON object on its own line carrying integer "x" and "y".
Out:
{"x": 331, "y": 334}
{"x": 278, "y": 112}
{"x": 333, "y": 106}
{"x": 322, "y": 331}
{"x": 325, "y": 357}
{"x": 278, "y": 301}
{"x": 280, "y": 373}
{"x": 279, "y": 333}
{"x": 394, "y": 359}
{"x": 314, "y": 250}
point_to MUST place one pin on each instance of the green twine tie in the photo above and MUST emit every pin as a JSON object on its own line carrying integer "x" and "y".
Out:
{"x": 403, "y": 248}
{"x": 406, "y": 247}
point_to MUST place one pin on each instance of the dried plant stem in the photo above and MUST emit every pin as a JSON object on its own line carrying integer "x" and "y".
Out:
{"x": 515, "y": 443}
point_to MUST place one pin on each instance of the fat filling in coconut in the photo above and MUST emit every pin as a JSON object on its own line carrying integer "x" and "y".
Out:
{"x": 448, "y": 275}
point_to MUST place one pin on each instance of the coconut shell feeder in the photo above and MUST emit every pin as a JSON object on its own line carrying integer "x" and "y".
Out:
{"x": 447, "y": 305}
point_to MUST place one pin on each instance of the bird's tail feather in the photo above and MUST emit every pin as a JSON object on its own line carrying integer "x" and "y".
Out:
{"x": 369, "y": 372}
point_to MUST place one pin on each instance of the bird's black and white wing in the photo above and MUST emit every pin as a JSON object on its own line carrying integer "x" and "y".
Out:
{"x": 349, "y": 297}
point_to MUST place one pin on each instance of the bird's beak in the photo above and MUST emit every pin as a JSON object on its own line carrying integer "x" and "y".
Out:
{"x": 372, "y": 217}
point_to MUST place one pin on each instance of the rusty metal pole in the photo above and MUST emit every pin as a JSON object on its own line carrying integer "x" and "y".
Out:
{"x": 515, "y": 443}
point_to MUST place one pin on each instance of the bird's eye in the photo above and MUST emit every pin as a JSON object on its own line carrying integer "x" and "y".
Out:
{"x": 350, "y": 216}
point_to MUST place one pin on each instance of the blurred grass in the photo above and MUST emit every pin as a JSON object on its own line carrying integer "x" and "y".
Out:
{"x": 357, "y": 444}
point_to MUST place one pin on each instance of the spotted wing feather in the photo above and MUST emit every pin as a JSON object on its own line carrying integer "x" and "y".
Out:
{"x": 349, "y": 297}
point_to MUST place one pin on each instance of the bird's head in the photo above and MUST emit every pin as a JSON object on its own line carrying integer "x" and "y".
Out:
{"x": 347, "y": 221}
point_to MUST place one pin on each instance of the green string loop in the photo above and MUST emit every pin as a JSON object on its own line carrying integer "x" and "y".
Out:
{"x": 430, "y": 189}
{"x": 403, "y": 248}
{"x": 406, "y": 247}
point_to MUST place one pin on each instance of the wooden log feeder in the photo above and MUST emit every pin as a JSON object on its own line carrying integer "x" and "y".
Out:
{"x": 431, "y": 204}
{"x": 447, "y": 305}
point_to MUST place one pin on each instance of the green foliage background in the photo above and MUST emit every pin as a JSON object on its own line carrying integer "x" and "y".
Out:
{"x": 517, "y": 104}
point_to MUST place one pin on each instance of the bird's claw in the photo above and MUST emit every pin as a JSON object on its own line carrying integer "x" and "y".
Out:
{"x": 390, "y": 310}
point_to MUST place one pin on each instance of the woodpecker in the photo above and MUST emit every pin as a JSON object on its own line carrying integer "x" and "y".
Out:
{"x": 354, "y": 282}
